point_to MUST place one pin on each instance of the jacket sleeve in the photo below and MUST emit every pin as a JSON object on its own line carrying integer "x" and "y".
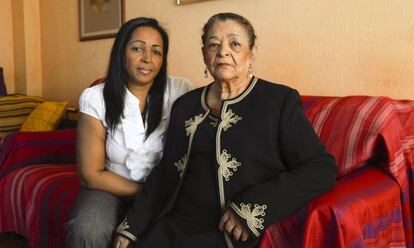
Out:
{"x": 155, "y": 193}
{"x": 310, "y": 171}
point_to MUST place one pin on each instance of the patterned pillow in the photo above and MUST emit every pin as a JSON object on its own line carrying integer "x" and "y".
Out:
{"x": 356, "y": 129}
{"x": 45, "y": 117}
{"x": 14, "y": 109}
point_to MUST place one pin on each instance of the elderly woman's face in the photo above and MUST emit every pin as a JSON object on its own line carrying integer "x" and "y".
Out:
{"x": 226, "y": 51}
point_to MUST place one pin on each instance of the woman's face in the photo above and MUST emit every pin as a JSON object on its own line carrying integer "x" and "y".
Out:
{"x": 144, "y": 56}
{"x": 226, "y": 51}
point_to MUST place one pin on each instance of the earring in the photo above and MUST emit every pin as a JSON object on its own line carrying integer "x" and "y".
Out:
{"x": 205, "y": 73}
{"x": 250, "y": 71}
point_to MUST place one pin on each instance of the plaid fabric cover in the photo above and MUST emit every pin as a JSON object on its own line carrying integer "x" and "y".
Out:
{"x": 369, "y": 207}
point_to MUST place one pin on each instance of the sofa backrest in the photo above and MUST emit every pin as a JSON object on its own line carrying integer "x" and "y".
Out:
{"x": 357, "y": 129}
{"x": 20, "y": 149}
{"x": 98, "y": 81}
{"x": 405, "y": 111}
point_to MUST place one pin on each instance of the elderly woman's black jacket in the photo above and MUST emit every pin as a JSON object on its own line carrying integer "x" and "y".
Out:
{"x": 269, "y": 160}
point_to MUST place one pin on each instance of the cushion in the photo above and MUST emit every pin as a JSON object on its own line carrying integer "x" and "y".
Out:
{"x": 14, "y": 110}
{"x": 45, "y": 117}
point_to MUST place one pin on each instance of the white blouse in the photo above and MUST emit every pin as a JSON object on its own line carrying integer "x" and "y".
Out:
{"x": 128, "y": 154}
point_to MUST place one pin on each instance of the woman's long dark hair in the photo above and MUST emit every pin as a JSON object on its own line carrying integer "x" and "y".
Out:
{"x": 117, "y": 77}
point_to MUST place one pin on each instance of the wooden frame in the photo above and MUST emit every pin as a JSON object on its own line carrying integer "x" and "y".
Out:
{"x": 100, "y": 19}
{"x": 180, "y": 2}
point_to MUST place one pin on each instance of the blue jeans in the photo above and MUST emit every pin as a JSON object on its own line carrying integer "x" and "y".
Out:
{"x": 94, "y": 218}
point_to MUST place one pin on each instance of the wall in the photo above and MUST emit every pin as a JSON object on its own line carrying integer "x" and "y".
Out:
{"x": 19, "y": 50}
{"x": 6, "y": 44}
{"x": 32, "y": 47}
{"x": 68, "y": 64}
{"x": 319, "y": 47}
{"x": 26, "y": 52}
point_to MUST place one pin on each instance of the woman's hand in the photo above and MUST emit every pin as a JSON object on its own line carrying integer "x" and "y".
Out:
{"x": 121, "y": 242}
{"x": 231, "y": 224}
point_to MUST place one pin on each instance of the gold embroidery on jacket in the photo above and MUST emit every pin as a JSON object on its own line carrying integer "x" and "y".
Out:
{"x": 190, "y": 127}
{"x": 229, "y": 119}
{"x": 213, "y": 121}
{"x": 220, "y": 128}
{"x": 192, "y": 123}
{"x": 227, "y": 166}
{"x": 252, "y": 217}
{"x": 123, "y": 229}
{"x": 181, "y": 165}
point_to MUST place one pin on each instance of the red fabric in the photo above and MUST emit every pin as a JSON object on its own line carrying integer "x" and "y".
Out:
{"x": 405, "y": 111}
{"x": 36, "y": 201}
{"x": 367, "y": 129}
{"x": 24, "y": 148}
{"x": 359, "y": 122}
{"x": 362, "y": 210}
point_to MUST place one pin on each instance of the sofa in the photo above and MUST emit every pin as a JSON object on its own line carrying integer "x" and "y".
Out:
{"x": 371, "y": 204}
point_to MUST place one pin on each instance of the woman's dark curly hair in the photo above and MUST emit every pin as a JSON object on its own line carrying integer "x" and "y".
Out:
{"x": 230, "y": 16}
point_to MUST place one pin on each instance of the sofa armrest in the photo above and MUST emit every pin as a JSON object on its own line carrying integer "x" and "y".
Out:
{"x": 20, "y": 149}
{"x": 362, "y": 210}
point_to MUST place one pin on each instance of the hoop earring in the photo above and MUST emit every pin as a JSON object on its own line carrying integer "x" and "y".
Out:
{"x": 250, "y": 71}
{"x": 206, "y": 73}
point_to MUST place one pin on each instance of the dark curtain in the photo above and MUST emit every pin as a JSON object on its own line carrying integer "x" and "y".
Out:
{"x": 3, "y": 90}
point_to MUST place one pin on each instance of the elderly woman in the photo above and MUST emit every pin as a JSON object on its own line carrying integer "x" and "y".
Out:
{"x": 240, "y": 155}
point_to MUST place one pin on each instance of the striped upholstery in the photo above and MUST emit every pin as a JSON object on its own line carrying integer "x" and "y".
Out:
{"x": 405, "y": 110}
{"x": 33, "y": 193}
{"x": 359, "y": 122}
{"x": 14, "y": 109}
{"x": 368, "y": 207}
{"x": 38, "y": 185}
{"x": 21, "y": 149}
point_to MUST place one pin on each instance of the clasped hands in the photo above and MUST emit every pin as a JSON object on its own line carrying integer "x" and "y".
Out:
{"x": 228, "y": 223}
